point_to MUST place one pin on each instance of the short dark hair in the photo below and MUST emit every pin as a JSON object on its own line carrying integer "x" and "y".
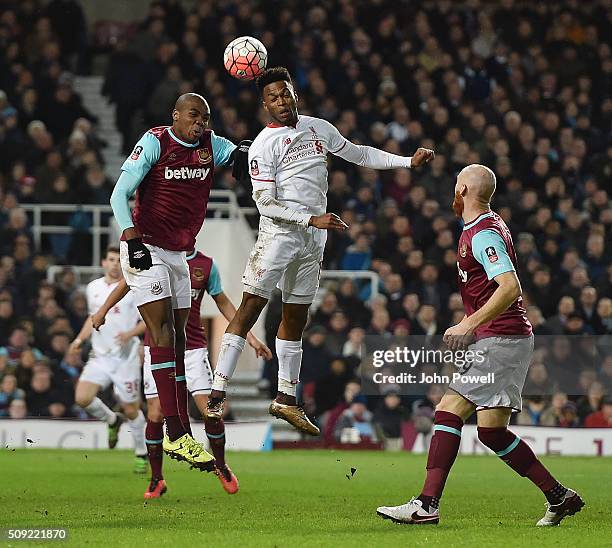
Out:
{"x": 274, "y": 74}
{"x": 111, "y": 249}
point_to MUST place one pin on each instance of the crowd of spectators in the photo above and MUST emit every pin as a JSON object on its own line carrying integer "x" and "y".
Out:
{"x": 523, "y": 88}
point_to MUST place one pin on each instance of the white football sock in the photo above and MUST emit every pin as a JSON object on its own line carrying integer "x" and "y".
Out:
{"x": 137, "y": 428}
{"x": 289, "y": 354}
{"x": 99, "y": 410}
{"x": 231, "y": 348}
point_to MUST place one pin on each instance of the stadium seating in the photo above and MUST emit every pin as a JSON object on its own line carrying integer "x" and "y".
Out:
{"x": 523, "y": 89}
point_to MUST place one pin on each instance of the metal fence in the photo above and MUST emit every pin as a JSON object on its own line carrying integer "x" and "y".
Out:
{"x": 222, "y": 205}
{"x": 97, "y": 228}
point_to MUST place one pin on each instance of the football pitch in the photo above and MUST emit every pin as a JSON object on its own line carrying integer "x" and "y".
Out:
{"x": 293, "y": 498}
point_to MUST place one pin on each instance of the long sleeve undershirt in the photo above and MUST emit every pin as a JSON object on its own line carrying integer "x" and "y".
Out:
{"x": 362, "y": 155}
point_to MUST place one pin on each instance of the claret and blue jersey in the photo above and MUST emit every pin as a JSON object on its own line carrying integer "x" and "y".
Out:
{"x": 172, "y": 181}
{"x": 486, "y": 251}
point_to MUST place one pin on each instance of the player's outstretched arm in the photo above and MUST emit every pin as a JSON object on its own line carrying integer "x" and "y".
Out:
{"x": 227, "y": 308}
{"x": 99, "y": 317}
{"x": 374, "y": 158}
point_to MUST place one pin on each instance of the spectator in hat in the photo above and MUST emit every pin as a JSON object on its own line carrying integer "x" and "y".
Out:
{"x": 355, "y": 424}
{"x": 569, "y": 415}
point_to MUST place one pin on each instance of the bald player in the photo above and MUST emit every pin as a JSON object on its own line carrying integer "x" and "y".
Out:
{"x": 496, "y": 328}
{"x": 171, "y": 170}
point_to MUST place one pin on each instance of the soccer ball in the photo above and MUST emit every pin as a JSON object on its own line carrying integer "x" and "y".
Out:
{"x": 245, "y": 58}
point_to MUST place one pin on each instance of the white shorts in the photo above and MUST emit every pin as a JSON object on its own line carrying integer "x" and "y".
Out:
{"x": 198, "y": 373}
{"x": 123, "y": 374}
{"x": 290, "y": 261}
{"x": 168, "y": 277}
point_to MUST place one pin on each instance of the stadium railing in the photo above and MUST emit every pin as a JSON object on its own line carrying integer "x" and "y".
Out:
{"x": 367, "y": 275}
{"x": 100, "y": 222}
{"x": 96, "y": 226}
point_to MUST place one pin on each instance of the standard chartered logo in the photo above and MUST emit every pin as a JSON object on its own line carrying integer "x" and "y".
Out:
{"x": 186, "y": 173}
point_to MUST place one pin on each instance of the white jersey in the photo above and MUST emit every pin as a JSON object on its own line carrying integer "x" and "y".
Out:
{"x": 291, "y": 164}
{"x": 122, "y": 317}
{"x": 295, "y": 158}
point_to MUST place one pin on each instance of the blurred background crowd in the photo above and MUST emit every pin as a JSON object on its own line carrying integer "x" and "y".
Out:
{"x": 521, "y": 87}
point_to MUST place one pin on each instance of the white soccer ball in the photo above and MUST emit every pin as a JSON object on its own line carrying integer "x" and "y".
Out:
{"x": 245, "y": 58}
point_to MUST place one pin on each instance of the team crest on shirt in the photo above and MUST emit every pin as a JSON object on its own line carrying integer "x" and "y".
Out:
{"x": 136, "y": 154}
{"x": 198, "y": 274}
{"x": 172, "y": 156}
{"x": 254, "y": 168}
{"x": 463, "y": 249}
{"x": 492, "y": 254}
{"x": 288, "y": 141}
{"x": 204, "y": 156}
{"x": 156, "y": 288}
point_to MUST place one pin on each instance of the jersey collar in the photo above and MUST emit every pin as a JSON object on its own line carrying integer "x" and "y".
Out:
{"x": 275, "y": 125}
{"x": 189, "y": 257}
{"x": 190, "y": 145}
{"x": 478, "y": 219}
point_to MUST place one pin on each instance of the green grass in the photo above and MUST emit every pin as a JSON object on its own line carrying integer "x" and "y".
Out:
{"x": 294, "y": 498}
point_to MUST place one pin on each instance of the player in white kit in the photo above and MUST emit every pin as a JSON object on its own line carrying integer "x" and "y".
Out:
{"x": 114, "y": 359}
{"x": 288, "y": 168}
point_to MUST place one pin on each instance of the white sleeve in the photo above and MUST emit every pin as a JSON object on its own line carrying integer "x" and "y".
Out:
{"x": 263, "y": 177}
{"x": 88, "y": 295}
{"x": 363, "y": 155}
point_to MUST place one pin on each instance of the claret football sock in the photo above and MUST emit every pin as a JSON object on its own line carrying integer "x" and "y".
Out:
{"x": 443, "y": 450}
{"x": 429, "y": 503}
{"x": 215, "y": 431}
{"x": 154, "y": 433}
{"x": 163, "y": 368}
{"x": 556, "y": 494}
{"x": 519, "y": 456}
{"x": 181, "y": 392}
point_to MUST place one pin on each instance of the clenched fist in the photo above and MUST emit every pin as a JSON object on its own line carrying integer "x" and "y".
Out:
{"x": 421, "y": 157}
